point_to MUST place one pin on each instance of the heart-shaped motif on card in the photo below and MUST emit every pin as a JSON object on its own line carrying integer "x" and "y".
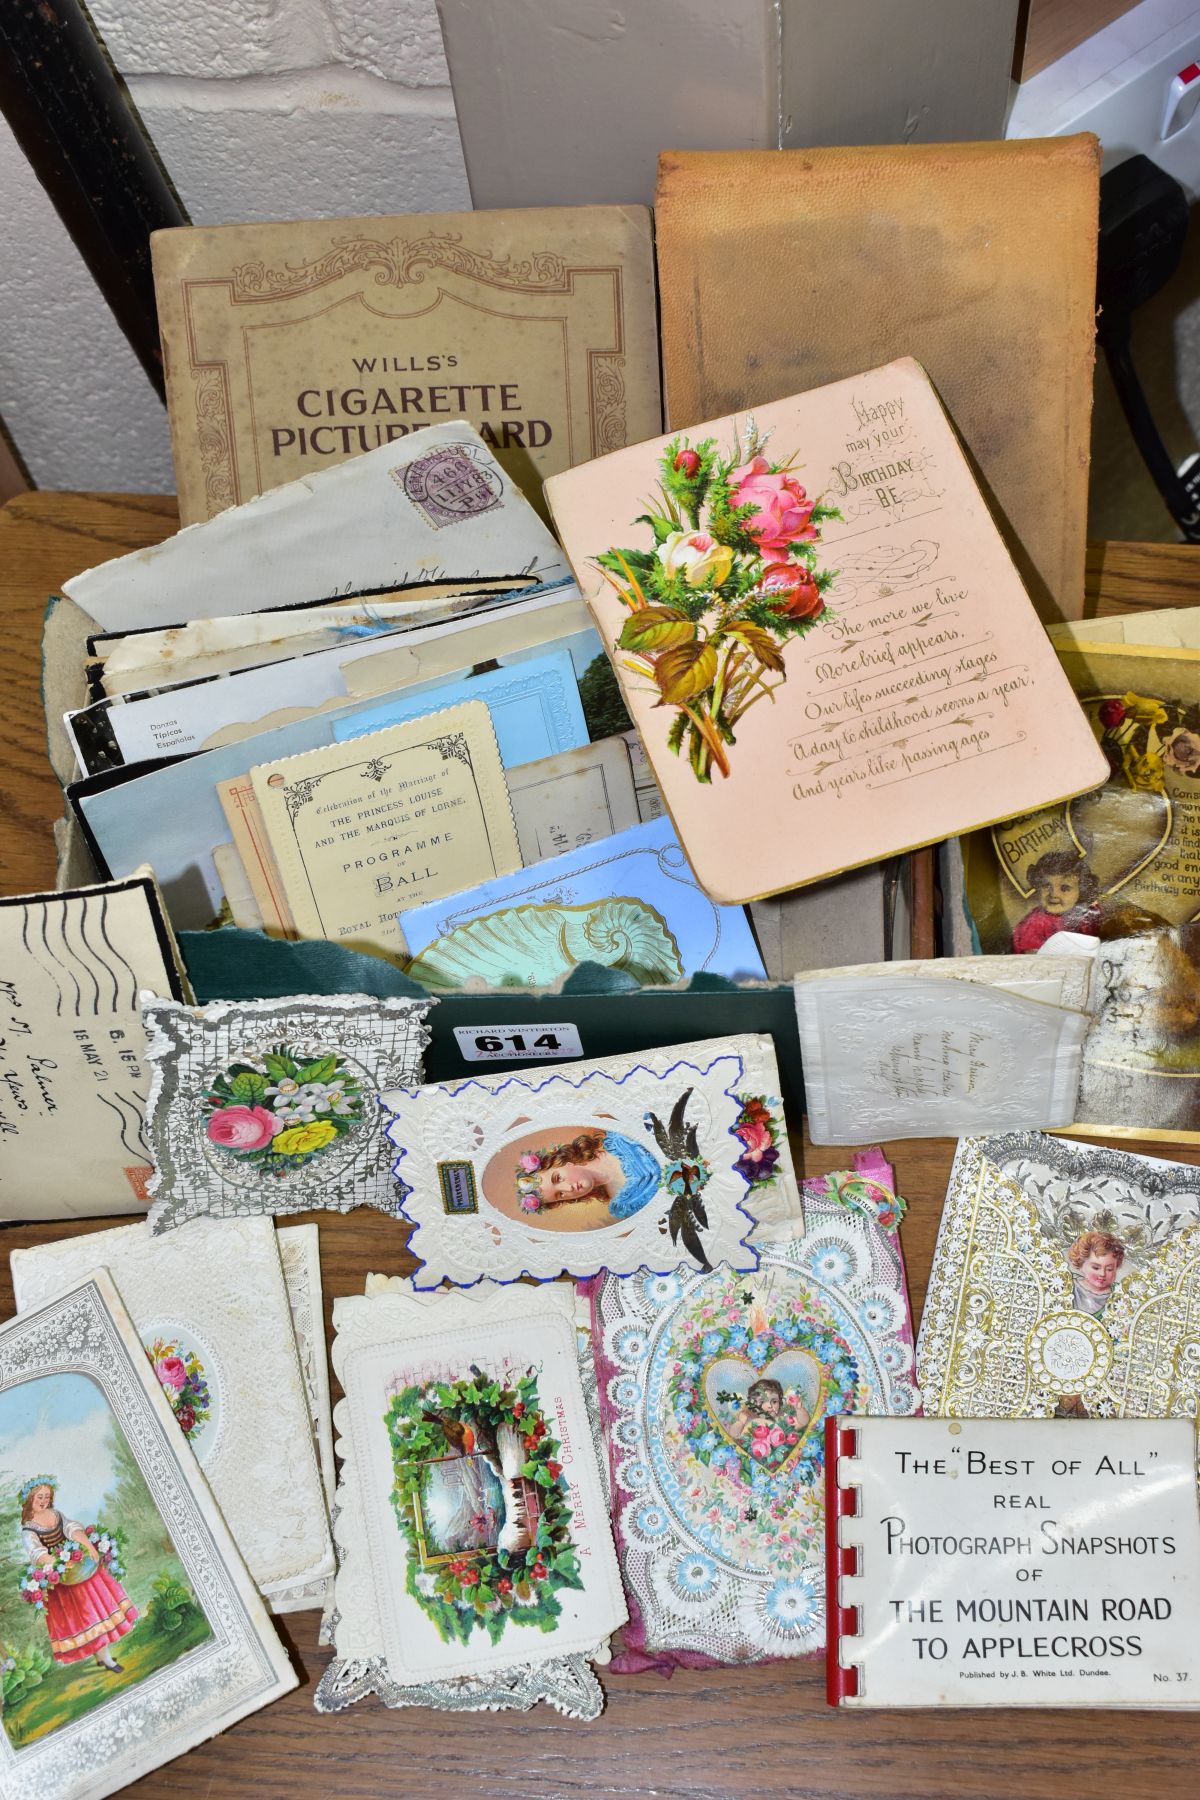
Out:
{"x": 767, "y": 1414}
{"x": 1118, "y": 831}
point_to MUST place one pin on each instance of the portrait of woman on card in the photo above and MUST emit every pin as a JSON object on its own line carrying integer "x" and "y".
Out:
{"x": 574, "y": 1178}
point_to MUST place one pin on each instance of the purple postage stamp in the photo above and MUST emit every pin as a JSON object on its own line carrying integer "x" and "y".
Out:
{"x": 450, "y": 485}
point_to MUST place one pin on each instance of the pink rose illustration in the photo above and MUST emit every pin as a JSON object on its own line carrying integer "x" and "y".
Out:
{"x": 782, "y": 509}
{"x": 792, "y": 590}
{"x": 170, "y": 1371}
{"x": 756, "y": 1138}
{"x": 243, "y": 1127}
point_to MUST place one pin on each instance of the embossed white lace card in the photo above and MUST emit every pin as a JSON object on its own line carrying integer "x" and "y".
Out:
{"x": 1065, "y": 1284}
{"x": 131, "y": 1627}
{"x": 923, "y": 1057}
{"x": 300, "y": 1255}
{"x": 476, "y": 1563}
{"x": 271, "y": 1106}
{"x": 621, "y": 1163}
{"x": 713, "y": 1392}
{"x": 212, "y": 1310}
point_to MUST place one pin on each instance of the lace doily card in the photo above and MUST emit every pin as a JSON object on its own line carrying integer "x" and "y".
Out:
{"x": 132, "y": 1629}
{"x": 300, "y": 1255}
{"x": 271, "y": 1106}
{"x": 622, "y": 1163}
{"x": 476, "y": 1564}
{"x": 214, "y": 1316}
{"x": 713, "y": 1392}
{"x": 919, "y": 1056}
{"x": 1065, "y": 1284}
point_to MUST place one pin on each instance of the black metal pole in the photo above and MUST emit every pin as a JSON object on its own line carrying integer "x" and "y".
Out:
{"x": 74, "y": 121}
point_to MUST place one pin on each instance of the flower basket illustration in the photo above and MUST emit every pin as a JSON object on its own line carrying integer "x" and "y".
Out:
{"x": 732, "y": 577}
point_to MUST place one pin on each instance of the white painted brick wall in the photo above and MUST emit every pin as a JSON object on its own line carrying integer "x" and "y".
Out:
{"x": 72, "y": 393}
{"x": 259, "y": 109}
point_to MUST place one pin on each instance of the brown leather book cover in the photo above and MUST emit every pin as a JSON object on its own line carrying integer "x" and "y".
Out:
{"x": 781, "y": 270}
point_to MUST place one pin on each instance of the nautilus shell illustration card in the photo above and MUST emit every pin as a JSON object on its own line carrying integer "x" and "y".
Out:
{"x": 630, "y": 902}
{"x": 622, "y": 1163}
{"x": 131, "y": 1628}
{"x": 476, "y": 1564}
{"x": 214, "y": 1314}
{"x": 1065, "y": 1284}
{"x": 714, "y": 1388}
{"x": 271, "y": 1106}
{"x": 820, "y": 635}
{"x": 74, "y": 1074}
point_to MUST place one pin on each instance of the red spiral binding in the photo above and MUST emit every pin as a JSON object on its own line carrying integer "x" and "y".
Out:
{"x": 841, "y": 1621}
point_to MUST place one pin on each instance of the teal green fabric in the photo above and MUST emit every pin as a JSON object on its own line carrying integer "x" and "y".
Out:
{"x": 612, "y": 1015}
{"x": 232, "y": 964}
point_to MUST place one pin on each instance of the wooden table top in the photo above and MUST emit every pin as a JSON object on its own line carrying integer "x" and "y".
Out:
{"x": 704, "y": 1735}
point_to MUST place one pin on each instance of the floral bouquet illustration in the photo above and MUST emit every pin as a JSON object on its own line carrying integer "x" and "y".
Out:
{"x": 182, "y": 1379}
{"x": 70, "y": 1565}
{"x": 482, "y": 1501}
{"x": 758, "y": 1131}
{"x": 284, "y": 1108}
{"x": 731, "y": 578}
{"x": 1144, "y": 736}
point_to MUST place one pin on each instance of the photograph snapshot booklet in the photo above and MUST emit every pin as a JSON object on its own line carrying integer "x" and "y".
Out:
{"x": 620, "y": 1163}
{"x": 989, "y": 1563}
{"x": 476, "y": 1565}
{"x": 213, "y": 1310}
{"x": 132, "y": 1630}
{"x": 823, "y": 642}
{"x": 281, "y": 340}
{"x": 72, "y": 1045}
{"x": 713, "y": 1391}
{"x": 1065, "y": 1283}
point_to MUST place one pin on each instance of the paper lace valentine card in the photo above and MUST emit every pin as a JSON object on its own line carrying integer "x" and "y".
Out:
{"x": 622, "y": 1163}
{"x": 713, "y": 1390}
{"x": 300, "y": 1256}
{"x": 271, "y": 1106}
{"x": 212, "y": 1310}
{"x": 1065, "y": 1283}
{"x": 73, "y": 1068}
{"x": 820, "y": 635}
{"x": 922, "y": 1056}
{"x": 476, "y": 1565}
{"x": 131, "y": 1628}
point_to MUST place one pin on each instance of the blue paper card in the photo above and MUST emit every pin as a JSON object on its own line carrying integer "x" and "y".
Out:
{"x": 534, "y": 705}
{"x": 630, "y": 902}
